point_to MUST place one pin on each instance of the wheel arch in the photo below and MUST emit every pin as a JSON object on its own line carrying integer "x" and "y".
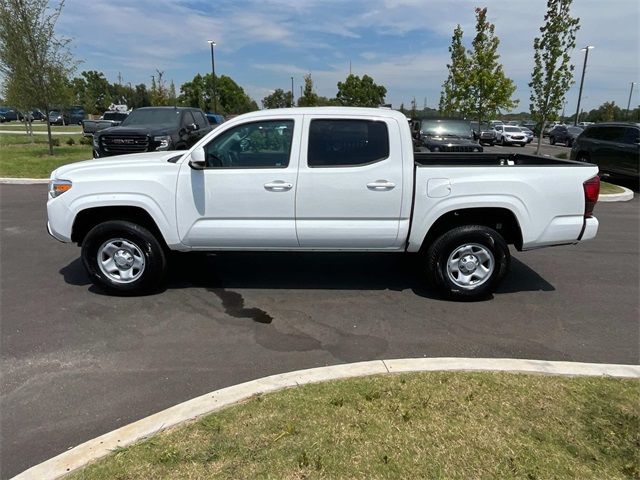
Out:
{"x": 501, "y": 219}
{"x": 88, "y": 218}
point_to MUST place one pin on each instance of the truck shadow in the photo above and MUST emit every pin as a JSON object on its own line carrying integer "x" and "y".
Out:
{"x": 325, "y": 271}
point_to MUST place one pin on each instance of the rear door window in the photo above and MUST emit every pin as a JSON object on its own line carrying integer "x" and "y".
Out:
{"x": 347, "y": 143}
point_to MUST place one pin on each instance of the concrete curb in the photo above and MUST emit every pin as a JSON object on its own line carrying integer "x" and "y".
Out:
{"x": 617, "y": 197}
{"x": 92, "y": 450}
{"x": 22, "y": 181}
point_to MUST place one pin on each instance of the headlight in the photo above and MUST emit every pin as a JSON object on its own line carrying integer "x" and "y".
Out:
{"x": 58, "y": 187}
{"x": 476, "y": 149}
{"x": 163, "y": 141}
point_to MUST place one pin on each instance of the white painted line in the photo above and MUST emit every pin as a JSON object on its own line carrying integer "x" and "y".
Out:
{"x": 94, "y": 449}
{"x": 40, "y": 132}
{"x": 22, "y": 181}
{"x": 617, "y": 197}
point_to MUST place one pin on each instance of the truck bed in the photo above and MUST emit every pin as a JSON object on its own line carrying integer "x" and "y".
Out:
{"x": 454, "y": 159}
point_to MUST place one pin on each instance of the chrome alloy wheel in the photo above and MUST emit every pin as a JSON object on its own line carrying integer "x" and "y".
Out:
{"x": 122, "y": 261}
{"x": 470, "y": 265}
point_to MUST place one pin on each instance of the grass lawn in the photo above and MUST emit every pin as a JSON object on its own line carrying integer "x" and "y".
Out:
{"x": 40, "y": 127}
{"x": 20, "y": 158}
{"x": 427, "y": 425}
{"x": 608, "y": 188}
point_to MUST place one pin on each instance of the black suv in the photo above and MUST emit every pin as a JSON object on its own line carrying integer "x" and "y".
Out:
{"x": 614, "y": 147}
{"x": 151, "y": 129}
{"x": 443, "y": 135}
{"x": 564, "y": 134}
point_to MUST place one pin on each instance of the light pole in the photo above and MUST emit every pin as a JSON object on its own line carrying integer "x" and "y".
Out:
{"x": 291, "y": 92}
{"x": 629, "y": 102}
{"x": 584, "y": 67}
{"x": 213, "y": 77}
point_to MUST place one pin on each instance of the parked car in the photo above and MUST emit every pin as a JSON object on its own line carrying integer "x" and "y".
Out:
{"x": 319, "y": 179}
{"x": 564, "y": 134}
{"x": 548, "y": 127}
{"x": 108, "y": 119}
{"x": 214, "y": 119}
{"x": 510, "y": 135}
{"x": 11, "y": 114}
{"x": 483, "y": 133}
{"x": 2, "y": 118}
{"x": 71, "y": 116}
{"x": 613, "y": 146}
{"x": 445, "y": 135}
{"x": 37, "y": 114}
{"x": 528, "y": 133}
{"x": 584, "y": 124}
{"x": 152, "y": 129}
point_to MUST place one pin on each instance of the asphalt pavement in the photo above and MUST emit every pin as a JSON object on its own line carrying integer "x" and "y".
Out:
{"x": 77, "y": 363}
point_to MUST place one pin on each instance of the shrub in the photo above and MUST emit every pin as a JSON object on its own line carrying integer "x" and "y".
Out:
{"x": 70, "y": 141}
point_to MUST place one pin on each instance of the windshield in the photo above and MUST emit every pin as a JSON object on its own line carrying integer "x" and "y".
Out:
{"x": 152, "y": 116}
{"x": 440, "y": 128}
{"x": 512, "y": 129}
{"x": 575, "y": 129}
{"x": 114, "y": 116}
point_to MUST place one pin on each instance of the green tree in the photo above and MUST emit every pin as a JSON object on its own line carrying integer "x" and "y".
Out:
{"x": 195, "y": 93}
{"x": 278, "y": 99}
{"x": 95, "y": 91}
{"x": 35, "y": 63}
{"x": 489, "y": 89}
{"x": 232, "y": 99}
{"x": 552, "y": 73}
{"x": 309, "y": 98}
{"x": 140, "y": 97}
{"x": 455, "y": 89}
{"x": 360, "y": 92}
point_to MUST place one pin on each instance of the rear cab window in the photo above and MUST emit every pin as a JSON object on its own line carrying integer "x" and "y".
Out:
{"x": 347, "y": 142}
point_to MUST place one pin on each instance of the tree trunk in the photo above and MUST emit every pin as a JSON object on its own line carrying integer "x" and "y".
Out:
{"x": 544, "y": 121}
{"x": 49, "y": 132}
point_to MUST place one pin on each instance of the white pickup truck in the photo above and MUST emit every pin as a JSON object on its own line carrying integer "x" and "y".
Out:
{"x": 320, "y": 179}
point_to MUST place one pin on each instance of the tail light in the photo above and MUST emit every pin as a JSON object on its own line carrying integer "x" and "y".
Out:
{"x": 591, "y": 191}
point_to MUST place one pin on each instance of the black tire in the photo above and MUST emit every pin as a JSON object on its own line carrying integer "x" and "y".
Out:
{"x": 569, "y": 143}
{"x": 502, "y": 142}
{"x": 552, "y": 140}
{"x": 439, "y": 252}
{"x": 148, "y": 246}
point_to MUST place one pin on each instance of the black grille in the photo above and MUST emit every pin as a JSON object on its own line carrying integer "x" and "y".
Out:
{"x": 120, "y": 144}
{"x": 457, "y": 148}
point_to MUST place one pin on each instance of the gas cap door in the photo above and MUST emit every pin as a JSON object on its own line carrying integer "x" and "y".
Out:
{"x": 438, "y": 187}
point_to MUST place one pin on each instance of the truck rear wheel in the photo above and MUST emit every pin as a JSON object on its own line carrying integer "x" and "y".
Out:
{"x": 123, "y": 258}
{"x": 468, "y": 262}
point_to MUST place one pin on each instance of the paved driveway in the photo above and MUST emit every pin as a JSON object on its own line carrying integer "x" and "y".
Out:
{"x": 77, "y": 363}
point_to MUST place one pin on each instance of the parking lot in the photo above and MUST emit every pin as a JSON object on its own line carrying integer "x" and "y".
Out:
{"x": 78, "y": 363}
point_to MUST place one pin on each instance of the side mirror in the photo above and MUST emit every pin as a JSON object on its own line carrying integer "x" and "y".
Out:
{"x": 192, "y": 127}
{"x": 198, "y": 160}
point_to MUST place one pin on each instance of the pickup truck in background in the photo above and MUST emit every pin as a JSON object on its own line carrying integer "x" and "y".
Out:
{"x": 152, "y": 129}
{"x": 446, "y": 135}
{"x": 107, "y": 120}
{"x": 325, "y": 179}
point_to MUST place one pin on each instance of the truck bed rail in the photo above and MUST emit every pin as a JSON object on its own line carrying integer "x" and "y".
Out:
{"x": 430, "y": 159}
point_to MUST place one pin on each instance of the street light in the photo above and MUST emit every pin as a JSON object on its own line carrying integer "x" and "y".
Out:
{"x": 213, "y": 77}
{"x": 629, "y": 102}
{"x": 584, "y": 67}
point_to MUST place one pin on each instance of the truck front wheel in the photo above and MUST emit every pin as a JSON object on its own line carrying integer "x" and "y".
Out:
{"x": 468, "y": 262}
{"x": 123, "y": 258}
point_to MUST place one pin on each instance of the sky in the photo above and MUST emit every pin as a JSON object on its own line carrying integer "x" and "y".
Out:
{"x": 402, "y": 44}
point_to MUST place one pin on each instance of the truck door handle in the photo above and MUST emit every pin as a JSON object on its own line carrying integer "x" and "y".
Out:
{"x": 278, "y": 186}
{"x": 381, "y": 185}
